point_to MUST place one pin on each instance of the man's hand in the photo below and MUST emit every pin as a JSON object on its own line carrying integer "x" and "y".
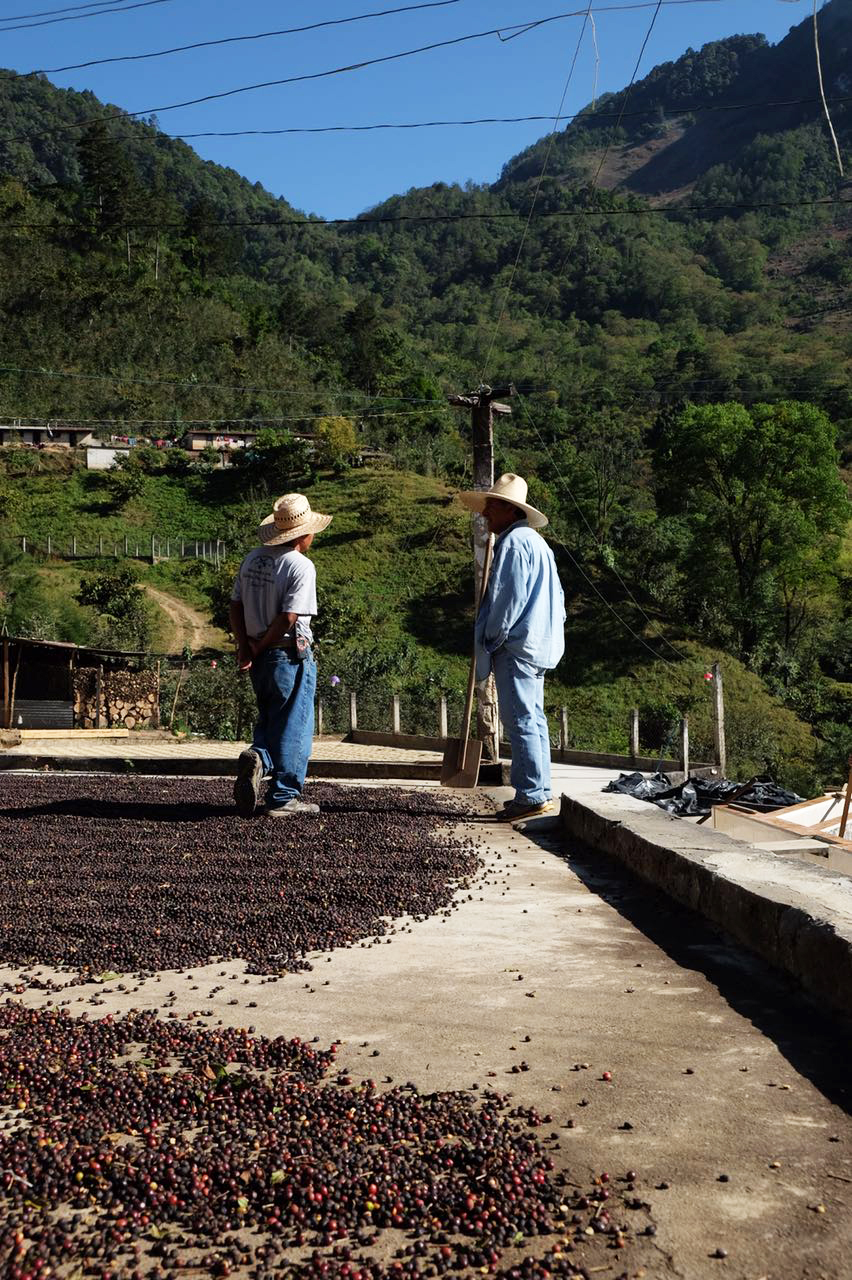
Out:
{"x": 244, "y": 658}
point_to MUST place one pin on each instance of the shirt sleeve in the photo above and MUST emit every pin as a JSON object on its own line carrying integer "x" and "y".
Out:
{"x": 300, "y": 594}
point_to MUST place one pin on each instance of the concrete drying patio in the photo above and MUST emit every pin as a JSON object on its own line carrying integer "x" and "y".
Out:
{"x": 728, "y": 1091}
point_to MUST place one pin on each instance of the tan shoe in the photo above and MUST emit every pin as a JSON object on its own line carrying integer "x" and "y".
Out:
{"x": 517, "y": 809}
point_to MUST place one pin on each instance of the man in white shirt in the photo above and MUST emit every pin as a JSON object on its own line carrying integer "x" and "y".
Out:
{"x": 272, "y": 603}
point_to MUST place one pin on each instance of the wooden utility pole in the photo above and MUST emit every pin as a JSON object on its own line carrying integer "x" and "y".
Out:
{"x": 483, "y": 405}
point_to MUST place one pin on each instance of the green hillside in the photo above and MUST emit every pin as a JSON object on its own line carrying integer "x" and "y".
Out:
{"x": 678, "y": 328}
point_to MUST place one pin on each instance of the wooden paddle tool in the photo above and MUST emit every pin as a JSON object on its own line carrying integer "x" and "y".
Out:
{"x": 462, "y": 757}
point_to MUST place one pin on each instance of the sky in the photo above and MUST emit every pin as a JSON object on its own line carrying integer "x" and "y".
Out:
{"x": 339, "y": 175}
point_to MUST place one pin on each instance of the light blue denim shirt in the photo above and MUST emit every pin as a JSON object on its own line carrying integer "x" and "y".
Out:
{"x": 524, "y": 606}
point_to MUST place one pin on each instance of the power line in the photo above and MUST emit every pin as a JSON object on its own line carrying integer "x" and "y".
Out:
{"x": 550, "y": 140}
{"x": 73, "y": 8}
{"x": 261, "y": 35}
{"x": 335, "y": 71}
{"x": 99, "y": 13}
{"x": 629, "y": 88}
{"x": 822, "y": 91}
{"x": 825, "y": 202}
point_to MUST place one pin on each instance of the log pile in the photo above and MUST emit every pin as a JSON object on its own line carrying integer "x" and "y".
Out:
{"x": 127, "y": 698}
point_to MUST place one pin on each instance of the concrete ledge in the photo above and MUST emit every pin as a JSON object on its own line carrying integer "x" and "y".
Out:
{"x": 796, "y": 916}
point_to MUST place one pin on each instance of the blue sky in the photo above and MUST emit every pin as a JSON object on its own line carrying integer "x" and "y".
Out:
{"x": 340, "y": 175}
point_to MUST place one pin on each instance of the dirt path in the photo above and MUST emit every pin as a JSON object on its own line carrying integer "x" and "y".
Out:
{"x": 190, "y": 628}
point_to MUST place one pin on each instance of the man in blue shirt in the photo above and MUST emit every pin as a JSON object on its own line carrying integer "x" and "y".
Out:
{"x": 520, "y": 635}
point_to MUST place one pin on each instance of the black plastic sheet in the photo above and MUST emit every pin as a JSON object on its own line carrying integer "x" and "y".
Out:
{"x": 696, "y": 797}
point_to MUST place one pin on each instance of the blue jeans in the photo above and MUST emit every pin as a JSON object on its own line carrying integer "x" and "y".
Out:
{"x": 283, "y": 735}
{"x": 520, "y": 691}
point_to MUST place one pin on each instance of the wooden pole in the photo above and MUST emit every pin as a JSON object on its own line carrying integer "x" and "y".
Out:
{"x": 14, "y": 685}
{"x": 396, "y": 715}
{"x": 177, "y": 691}
{"x": 7, "y": 715}
{"x": 48, "y": 544}
{"x": 634, "y": 734}
{"x": 153, "y": 551}
{"x": 353, "y": 710}
{"x": 319, "y": 717}
{"x": 684, "y": 745}
{"x": 24, "y": 545}
{"x": 842, "y": 829}
{"x": 563, "y": 730}
{"x": 720, "y": 754}
{"x": 443, "y": 730}
{"x": 482, "y": 410}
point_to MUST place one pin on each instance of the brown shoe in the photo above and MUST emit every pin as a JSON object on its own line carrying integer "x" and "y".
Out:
{"x": 517, "y": 809}
{"x": 247, "y": 784}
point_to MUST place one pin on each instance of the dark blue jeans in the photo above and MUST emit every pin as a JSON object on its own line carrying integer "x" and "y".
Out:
{"x": 283, "y": 736}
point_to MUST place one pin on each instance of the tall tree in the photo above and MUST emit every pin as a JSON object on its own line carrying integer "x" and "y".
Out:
{"x": 763, "y": 502}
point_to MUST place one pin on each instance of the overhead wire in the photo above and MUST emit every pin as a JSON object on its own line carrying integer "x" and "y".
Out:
{"x": 72, "y": 8}
{"x": 628, "y": 92}
{"x": 261, "y": 35}
{"x": 541, "y": 176}
{"x": 826, "y": 202}
{"x": 77, "y": 17}
{"x": 347, "y": 68}
{"x": 822, "y": 92}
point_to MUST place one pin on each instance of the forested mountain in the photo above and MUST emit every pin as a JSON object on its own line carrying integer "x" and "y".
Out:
{"x": 677, "y": 322}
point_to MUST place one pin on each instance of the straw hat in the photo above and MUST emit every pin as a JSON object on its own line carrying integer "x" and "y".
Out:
{"x": 509, "y": 488}
{"x": 291, "y": 518}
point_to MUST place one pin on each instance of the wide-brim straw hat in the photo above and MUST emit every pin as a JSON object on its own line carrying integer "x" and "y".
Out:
{"x": 509, "y": 488}
{"x": 291, "y": 518}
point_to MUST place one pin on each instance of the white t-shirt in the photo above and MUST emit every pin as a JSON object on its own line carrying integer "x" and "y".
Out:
{"x": 274, "y": 580}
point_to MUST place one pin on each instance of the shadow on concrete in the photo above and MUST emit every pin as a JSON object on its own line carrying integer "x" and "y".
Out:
{"x": 817, "y": 1044}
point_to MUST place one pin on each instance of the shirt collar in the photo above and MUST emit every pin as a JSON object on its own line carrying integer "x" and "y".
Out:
{"x": 517, "y": 525}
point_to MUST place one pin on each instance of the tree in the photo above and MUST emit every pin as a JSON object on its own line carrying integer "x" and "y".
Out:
{"x": 110, "y": 182}
{"x": 336, "y": 442}
{"x": 763, "y": 503}
{"x": 118, "y": 599}
{"x": 125, "y": 480}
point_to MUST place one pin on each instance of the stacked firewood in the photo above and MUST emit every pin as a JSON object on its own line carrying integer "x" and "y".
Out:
{"x": 128, "y": 699}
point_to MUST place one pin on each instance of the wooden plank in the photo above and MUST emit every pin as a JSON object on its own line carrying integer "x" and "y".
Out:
{"x": 78, "y": 735}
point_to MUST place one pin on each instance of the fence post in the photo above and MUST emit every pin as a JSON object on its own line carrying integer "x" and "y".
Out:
{"x": 684, "y": 745}
{"x": 563, "y": 730}
{"x": 137, "y": 550}
{"x": 115, "y": 549}
{"x": 396, "y": 717}
{"x": 153, "y": 557}
{"x": 353, "y": 711}
{"x": 720, "y": 754}
{"x": 48, "y": 544}
{"x": 196, "y": 548}
{"x": 182, "y": 548}
{"x": 442, "y": 719}
{"x": 100, "y": 545}
{"x": 74, "y": 545}
{"x": 24, "y": 544}
{"x": 634, "y": 734}
{"x": 319, "y": 717}
{"x": 168, "y": 549}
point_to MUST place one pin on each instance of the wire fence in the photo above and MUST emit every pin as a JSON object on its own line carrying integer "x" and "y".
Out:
{"x": 150, "y": 547}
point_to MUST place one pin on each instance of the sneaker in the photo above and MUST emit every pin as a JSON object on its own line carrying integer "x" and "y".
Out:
{"x": 517, "y": 809}
{"x": 247, "y": 784}
{"x": 290, "y": 808}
